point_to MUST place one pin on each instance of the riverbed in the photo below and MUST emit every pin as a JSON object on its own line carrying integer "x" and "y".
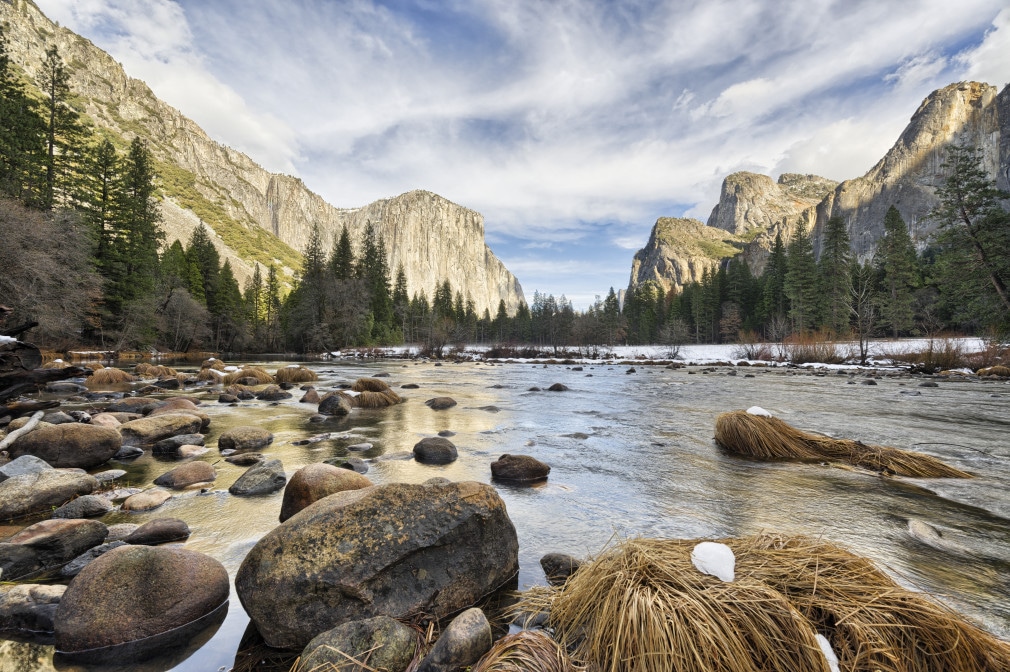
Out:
{"x": 631, "y": 454}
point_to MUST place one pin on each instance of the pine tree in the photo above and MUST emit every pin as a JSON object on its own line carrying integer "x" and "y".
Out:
{"x": 63, "y": 130}
{"x": 22, "y": 135}
{"x": 801, "y": 287}
{"x": 896, "y": 267}
{"x": 774, "y": 302}
{"x": 975, "y": 236}
{"x": 205, "y": 260}
{"x": 342, "y": 261}
{"x": 98, "y": 195}
{"x": 833, "y": 268}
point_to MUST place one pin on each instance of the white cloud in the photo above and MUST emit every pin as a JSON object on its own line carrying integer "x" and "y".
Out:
{"x": 989, "y": 61}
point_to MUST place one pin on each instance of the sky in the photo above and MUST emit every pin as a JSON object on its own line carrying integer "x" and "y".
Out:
{"x": 571, "y": 125}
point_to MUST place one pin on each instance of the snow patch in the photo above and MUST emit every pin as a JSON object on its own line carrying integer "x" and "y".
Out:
{"x": 231, "y": 369}
{"x": 715, "y": 559}
{"x": 829, "y": 653}
{"x": 8, "y": 339}
{"x": 757, "y": 410}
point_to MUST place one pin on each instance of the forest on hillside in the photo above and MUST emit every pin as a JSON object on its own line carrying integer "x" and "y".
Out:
{"x": 83, "y": 259}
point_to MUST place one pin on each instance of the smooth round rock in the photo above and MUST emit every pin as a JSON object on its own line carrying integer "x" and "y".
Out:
{"x": 262, "y": 478}
{"x": 86, "y": 506}
{"x": 186, "y": 475}
{"x": 72, "y": 445}
{"x": 440, "y": 403}
{"x": 384, "y": 642}
{"x": 159, "y": 531}
{"x": 435, "y": 450}
{"x": 150, "y": 430}
{"x": 245, "y": 439}
{"x": 334, "y": 404}
{"x": 133, "y": 592}
{"x": 42, "y": 491}
{"x": 315, "y": 481}
{"x": 146, "y": 500}
{"x": 519, "y": 469}
{"x": 461, "y": 644}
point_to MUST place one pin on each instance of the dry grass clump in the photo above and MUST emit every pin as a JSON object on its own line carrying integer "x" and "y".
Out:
{"x": 815, "y": 348}
{"x": 295, "y": 374}
{"x": 109, "y": 376}
{"x": 213, "y": 363}
{"x": 369, "y": 385}
{"x": 525, "y": 651}
{"x": 261, "y": 375}
{"x": 368, "y": 399}
{"x": 147, "y": 370}
{"x": 643, "y": 607}
{"x": 769, "y": 438}
{"x": 999, "y": 371}
{"x": 938, "y": 354}
{"x": 211, "y": 374}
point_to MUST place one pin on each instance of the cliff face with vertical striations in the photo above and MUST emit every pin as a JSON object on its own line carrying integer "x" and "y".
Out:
{"x": 756, "y": 209}
{"x": 258, "y": 216}
{"x": 679, "y": 252}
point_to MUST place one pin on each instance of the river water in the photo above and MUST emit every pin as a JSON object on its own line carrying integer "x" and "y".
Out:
{"x": 632, "y": 454}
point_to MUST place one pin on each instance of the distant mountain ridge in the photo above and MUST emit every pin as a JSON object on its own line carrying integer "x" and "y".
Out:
{"x": 258, "y": 216}
{"x": 755, "y": 209}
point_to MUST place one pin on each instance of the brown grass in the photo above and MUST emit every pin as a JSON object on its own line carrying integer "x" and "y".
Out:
{"x": 109, "y": 376}
{"x": 207, "y": 373}
{"x": 643, "y": 607}
{"x": 146, "y": 370}
{"x": 369, "y": 399}
{"x": 939, "y": 354}
{"x": 261, "y": 375}
{"x": 369, "y": 385}
{"x": 293, "y": 374}
{"x": 216, "y": 364}
{"x": 525, "y": 651}
{"x": 769, "y": 438}
{"x": 998, "y": 371}
{"x": 816, "y": 348}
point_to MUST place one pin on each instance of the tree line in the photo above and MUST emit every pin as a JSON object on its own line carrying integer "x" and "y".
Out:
{"x": 82, "y": 253}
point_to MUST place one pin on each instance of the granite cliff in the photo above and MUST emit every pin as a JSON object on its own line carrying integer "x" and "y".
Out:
{"x": 679, "y": 252}
{"x": 258, "y": 216}
{"x": 755, "y": 209}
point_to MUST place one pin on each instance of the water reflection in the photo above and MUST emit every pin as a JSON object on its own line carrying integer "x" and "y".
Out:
{"x": 632, "y": 455}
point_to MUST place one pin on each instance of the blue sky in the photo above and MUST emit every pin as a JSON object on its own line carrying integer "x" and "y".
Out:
{"x": 571, "y": 125}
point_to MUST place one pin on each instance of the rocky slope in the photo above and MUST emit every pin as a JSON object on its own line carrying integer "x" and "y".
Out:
{"x": 679, "y": 252}
{"x": 258, "y": 216}
{"x": 756, "y": 209}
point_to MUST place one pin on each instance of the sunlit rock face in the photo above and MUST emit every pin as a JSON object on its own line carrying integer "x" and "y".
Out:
{"x": 433, "y": 238}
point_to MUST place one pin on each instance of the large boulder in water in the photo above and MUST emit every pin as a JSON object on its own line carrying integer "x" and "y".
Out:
{"x": 384, "y": 642}
{"x": 315, "y": 481}
{"x": 73, "y": 445}
{"x": 133, "y": 592}
{"x": 151, "y": 430}
{"x": 396, "y": 550}
{"x": 42, "y": 491}
{"x": 245, "y": 438}
{"x": 46, "y": 545}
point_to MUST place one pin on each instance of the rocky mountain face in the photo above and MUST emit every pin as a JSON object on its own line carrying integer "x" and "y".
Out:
{"x": 258, "y": 216}
{"x": 755, "y": 208}
{"x": 679, "y": 252}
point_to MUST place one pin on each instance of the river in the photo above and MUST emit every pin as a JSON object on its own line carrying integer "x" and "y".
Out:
{"x": 632, "y": 454}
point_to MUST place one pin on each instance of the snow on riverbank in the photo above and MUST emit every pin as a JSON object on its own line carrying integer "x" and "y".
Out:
{"x": 881, "y": 353}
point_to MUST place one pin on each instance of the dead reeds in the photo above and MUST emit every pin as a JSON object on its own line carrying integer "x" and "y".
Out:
{"x": 997, "y": 371}
{"x": 261, "y": 376}
{"x": 641, "y": 606}
{"x": 109, "y": 376}
{"x": 373, "y": 393}
{"x": 295, "y": 374}
{"x": 369, "y": 385}
{"x": 768, "y": 438}
{"x": 148, "y": 370}
{"x": 525, "y": 651}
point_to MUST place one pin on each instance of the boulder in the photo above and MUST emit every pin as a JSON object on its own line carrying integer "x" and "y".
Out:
{"x": 109, "y": 475}
{"x": 467, "y": 638}
{"x": 86, "y": 506}
{"x": 159, "y": 531}
{"x": 128, "y": 405}
{"x": 394, "y": 550}
{"x": 134, "y": 592}
{"x": 147, "y": 431}
{"x": 168, "y": 405}
{"x": 311, "y": 396}
{"x": 48, "y": 544}
{"x": 204, "y": 418}
{"x": 28, "y": 608}
{"x": 557, "y": 387}
{"x": 170, "y": 447}
{"x": 440, "y": 403}
{"x": 73, "y": 445}
{"x": 245, "y": 459}
{"x": 383, "y": 643}
{"x": 120, "y": 531}
{"x": 315, "y": 481}
{"x": 58, "y": 418}
{"x": 31, "y": 493}
{"x": 26, "y": 464}
{"x": 74, "y": 567}
{"x": 519, "y": 468}
{"x": 186, "y": 475}
{"x": 435, "y": 450}
{"x": 273, "y": 393}
{"x": 335, "y": 404}
{"x": 262, "y": 478}
{"x": 558, "y": 567}
{"x": 245, "y": 438}
{"x": 146, "y": 500}
{"x": 227, "y": 399}
{"x": 128, "y": 453}
{"x": 353, "y": 463}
